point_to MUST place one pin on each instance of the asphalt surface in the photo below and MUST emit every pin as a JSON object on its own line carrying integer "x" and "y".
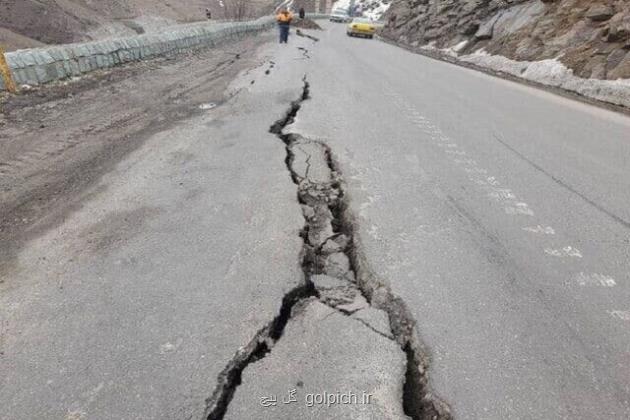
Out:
{"x": 498, "y": 213}
{"x": 132, "y": 306}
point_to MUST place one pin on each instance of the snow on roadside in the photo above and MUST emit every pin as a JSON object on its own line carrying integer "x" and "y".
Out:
{"x": 377, "y": 12}
{"x": 452, "y": 51}
{"x": 552, "y": 72}
{"x": 341, "y": 4}
{"x": 372, "y": 9}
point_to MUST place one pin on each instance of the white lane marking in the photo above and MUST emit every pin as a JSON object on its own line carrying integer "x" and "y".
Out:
{"x": 501, "y": 194}
{"x": 572, "y": 252}
{"x": 477, "y": 174}
{"x": 546, "y": 230}
{"x": 567, "y": 251}
{"x": 504, "y": 196}
{"x": 594, "y": 279}
{"x": 519, "y": 208}
{"x": 554, "y": 252}
{"x": 492, "y": 181}
{"x": 622, "y": 315}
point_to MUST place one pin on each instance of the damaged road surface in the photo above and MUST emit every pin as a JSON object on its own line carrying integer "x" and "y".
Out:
{"x": 497, "y": 213}
{"x": 333, "y": 353}
{"x": 133, "y": 301}
{"x": 186, "y": 278}
{"x": 343, "y": 230}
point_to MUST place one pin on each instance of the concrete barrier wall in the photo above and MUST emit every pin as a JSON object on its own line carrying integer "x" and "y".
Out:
{"x": 37, "y": 66}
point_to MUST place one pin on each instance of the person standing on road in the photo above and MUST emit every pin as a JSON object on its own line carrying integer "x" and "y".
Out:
{"x": 302, "y": 13}
{"x": 208, "y": 14}
{"x": 284, "y": 22}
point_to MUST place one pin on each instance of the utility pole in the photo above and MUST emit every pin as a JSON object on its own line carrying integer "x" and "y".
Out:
{"x": 351, "y": 11}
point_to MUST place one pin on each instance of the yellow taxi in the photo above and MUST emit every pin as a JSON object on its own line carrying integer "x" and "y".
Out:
{"x": 361, "y": 27}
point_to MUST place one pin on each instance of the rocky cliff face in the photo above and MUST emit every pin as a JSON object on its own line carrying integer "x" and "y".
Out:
{"x": 591, "y": 37}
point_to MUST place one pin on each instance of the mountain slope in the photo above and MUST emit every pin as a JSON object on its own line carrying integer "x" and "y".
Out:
{"x": 373, "y": 9}
{"x": 590, "y": 37}
{"x": 63, "y": 21}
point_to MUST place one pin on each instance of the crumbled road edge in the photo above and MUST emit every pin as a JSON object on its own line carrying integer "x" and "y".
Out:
{"x": 331, "y": 250}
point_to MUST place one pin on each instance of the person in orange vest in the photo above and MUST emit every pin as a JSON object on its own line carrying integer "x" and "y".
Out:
{"x": 284, "y": 19}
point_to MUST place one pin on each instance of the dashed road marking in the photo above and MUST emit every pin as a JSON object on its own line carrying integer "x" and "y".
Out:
{"x": 492, "y": 181}
{"x": 545, "y": 230}
{"x": 519, "y": 208}
{"x": 501, "y": 194}
{"x": 594, "y": 279}
{"x": 504, "y": 196}
{"x": 567, "y": 251}
{"x": 622, "y": 315}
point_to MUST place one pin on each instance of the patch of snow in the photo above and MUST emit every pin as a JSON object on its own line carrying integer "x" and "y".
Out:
{"x": 552, "y": 72}
{"x": 341, "y": 4}
{"x": 371, "y": 9}
{"x": 207, "y": 106}
{"x": 453, "y": 51}
{"x": 430, "y": 46}
{"x": 457, "y": 48}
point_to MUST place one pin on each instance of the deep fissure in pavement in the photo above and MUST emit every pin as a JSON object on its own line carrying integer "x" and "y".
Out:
{"x": 230, "y": 378}
{"x": 331, "y": 251}
{"x": 305, "y": 35}
{"x": 304, "y": 52}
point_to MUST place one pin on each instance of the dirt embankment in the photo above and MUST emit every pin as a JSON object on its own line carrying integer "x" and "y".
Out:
{"x": 56, "y": 142}
{"x": 29, "y": 23}
{"x": 591, "y": 37}
{"x": 16, "y": 41}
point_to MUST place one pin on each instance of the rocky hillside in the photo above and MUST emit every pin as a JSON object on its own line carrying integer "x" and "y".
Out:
{"x": 591, "y": 37}
{"x": 26, "y": 23}
{"x": 373, "y": 9}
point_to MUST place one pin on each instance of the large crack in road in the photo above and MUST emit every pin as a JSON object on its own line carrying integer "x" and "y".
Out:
{"x": 336, "y": 273}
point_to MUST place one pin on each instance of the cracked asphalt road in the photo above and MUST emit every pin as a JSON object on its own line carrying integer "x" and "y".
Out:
{"x": 499, "y": 213}
{"x": 493, "y": 215}
{"x": 133, "y": 303}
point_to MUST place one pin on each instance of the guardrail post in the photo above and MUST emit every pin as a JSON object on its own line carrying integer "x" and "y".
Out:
{"x": 9, "y": 83}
